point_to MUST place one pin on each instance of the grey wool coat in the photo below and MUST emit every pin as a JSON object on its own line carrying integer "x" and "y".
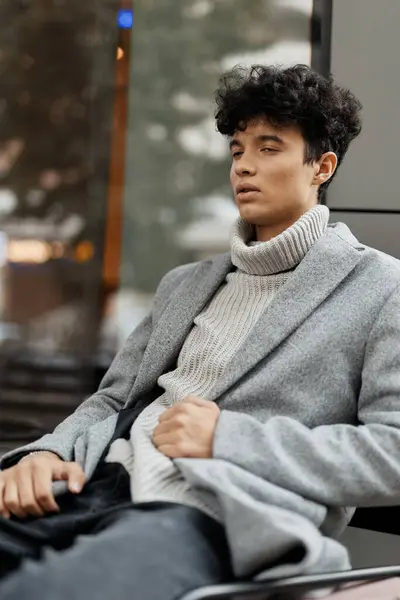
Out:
{"x": 310, "y": 421}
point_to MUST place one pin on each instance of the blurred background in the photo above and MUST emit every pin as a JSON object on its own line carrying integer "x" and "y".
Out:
{"x": 111, "y": 172}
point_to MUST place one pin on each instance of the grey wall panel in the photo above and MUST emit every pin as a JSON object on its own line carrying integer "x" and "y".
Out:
{"x": 371, "y": 548}
{"x": 381, "y": 231}
{"x": 365, "y": 58}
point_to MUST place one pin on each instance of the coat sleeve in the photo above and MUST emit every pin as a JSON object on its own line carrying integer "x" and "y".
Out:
{"x": 109, "y": 399}
{"x": 337, "y": 465}
{"x": 115, "y": 387}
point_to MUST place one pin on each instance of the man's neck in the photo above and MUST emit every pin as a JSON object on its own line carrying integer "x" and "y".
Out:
{"x": 265, "y": 233}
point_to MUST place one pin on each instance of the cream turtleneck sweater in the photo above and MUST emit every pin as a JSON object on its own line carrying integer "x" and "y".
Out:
{"x": 218, "y": 332}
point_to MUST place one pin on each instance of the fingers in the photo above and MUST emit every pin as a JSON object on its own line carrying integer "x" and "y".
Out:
{"x": 26, "y": 488}
{"x": 158, "y": 433}
{"x": 172, "y": 447}
{"x": 172, "y": 451}
{"x": 163, "y": 434}
{"x": 29, "y": 491}
{"x": 179, "y": 419}
{"x": 171, "y": 442}
{"x": 43, "y": 492}
{"x": 4, "y": 512}
{"x": 28, "y": 501}
{"x": 11, "y": 500}
{"x": 182, "y": 407}
{"x": 187, "y": 405}
{"x": 164, "y": 427}
{"x": 71, "y": 472}
{"x": 196, "y": 401}
{"x": 170, "y": 413}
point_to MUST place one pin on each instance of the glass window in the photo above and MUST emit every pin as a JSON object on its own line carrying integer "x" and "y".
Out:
{"x": 58, "y": 62}
{"x": 177, "y": 204}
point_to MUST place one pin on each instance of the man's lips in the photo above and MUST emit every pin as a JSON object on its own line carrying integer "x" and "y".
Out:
{"x": 244, "y": 188}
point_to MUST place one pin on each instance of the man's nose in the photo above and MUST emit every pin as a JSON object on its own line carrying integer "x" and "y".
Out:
{"x": 244, "y": 167}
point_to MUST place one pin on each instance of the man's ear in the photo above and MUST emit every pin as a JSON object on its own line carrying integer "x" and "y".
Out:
{"x": 325, "y": 168}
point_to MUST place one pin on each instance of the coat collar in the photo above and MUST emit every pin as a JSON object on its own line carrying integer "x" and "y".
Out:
{"x": 188, "y": 300}
{"x": 325, "y": 266}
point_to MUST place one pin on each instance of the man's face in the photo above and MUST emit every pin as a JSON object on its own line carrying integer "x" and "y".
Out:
{"x": 269, "y": 163}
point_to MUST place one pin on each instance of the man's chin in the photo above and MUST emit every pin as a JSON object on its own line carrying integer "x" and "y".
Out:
{"x": 254, "y": 216}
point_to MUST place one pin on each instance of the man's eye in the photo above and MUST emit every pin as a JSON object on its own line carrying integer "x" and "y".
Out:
{"x": 236, "y": 154}
{"x": 268, "y": 150}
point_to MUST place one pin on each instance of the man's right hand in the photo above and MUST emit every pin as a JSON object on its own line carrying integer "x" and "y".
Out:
{"x": 26, "y": 488}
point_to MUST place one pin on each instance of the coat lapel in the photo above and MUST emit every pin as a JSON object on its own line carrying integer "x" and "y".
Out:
{"x": 176, "y": 321}
{"x": 328, "y": 262}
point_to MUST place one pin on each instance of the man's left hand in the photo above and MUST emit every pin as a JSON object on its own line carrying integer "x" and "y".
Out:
{"x": 187, "y": 429}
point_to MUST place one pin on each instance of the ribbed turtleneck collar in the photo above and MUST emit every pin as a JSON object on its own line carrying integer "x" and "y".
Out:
{"x": 281, "y": 253}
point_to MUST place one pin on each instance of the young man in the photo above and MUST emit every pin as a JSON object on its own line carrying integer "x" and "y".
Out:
{"x": 277, "y": 362}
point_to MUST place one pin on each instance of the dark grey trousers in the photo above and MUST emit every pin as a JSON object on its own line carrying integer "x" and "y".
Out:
{"x": 146, "y": 552}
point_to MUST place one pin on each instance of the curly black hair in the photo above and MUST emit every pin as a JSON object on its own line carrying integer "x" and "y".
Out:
{"x": 327, "y": 115}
